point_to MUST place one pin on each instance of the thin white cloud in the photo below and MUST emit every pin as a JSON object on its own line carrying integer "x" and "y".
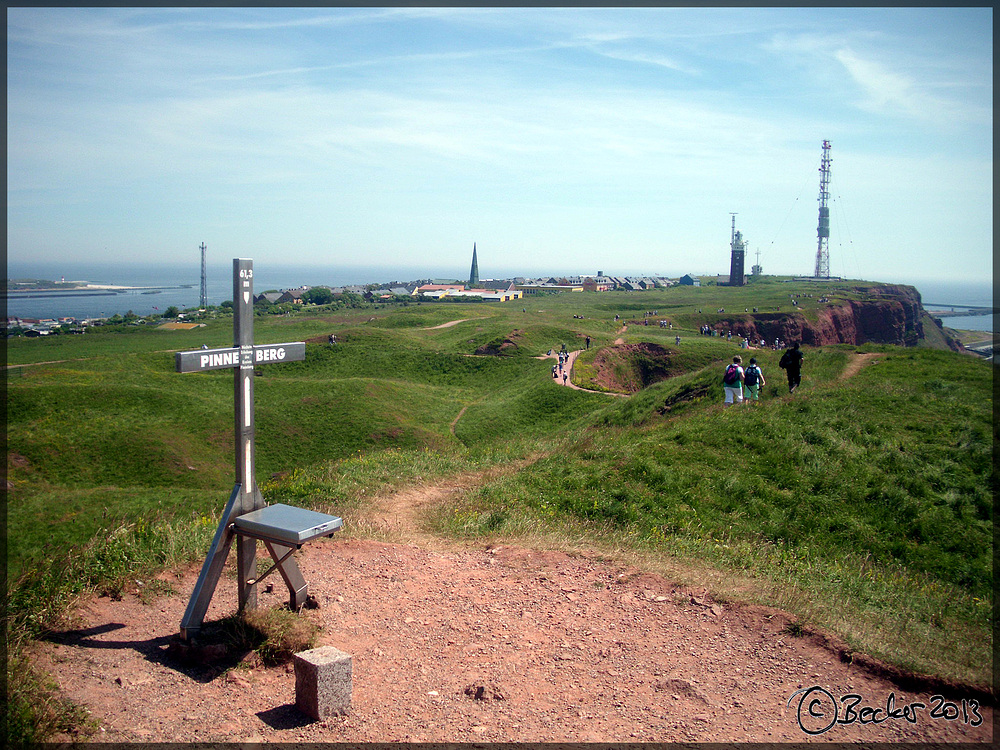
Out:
{"x": 889, "y": 92}
{"x": 394, "y": 61}
{"x": 896, "y": 79}
{"x": 658, "y": 60}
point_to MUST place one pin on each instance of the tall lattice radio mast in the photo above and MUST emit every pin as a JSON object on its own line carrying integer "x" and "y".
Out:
{"x": 203, "y": 302}
{"x": 823, "y": 230}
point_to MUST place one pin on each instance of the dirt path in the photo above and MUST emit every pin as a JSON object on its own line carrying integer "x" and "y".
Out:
{"x": 857, "y": 362}
{"x": 50, "y": 362}
{"x": 449, "y": 324}
{"x": 476, "y": 643}
{"x": 568, "y": 369}
{"x": 458, "y": 416}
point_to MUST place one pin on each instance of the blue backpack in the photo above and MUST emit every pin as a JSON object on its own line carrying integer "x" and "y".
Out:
{"x": 750, "y": 377}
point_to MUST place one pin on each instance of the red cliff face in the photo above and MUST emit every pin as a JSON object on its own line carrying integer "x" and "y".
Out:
{"x": 891, "y": 314}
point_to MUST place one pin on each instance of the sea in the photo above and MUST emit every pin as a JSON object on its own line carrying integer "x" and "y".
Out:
{"x": 157, "y": 287}
{"x": 154, "y": 288}
{"x": 936, "y": 295}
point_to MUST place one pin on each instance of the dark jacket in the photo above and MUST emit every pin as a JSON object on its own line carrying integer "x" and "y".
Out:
{"x": 791, "y": 360}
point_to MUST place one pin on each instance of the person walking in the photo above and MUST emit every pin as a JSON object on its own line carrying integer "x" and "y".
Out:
{"x": 791, "y": 363}
{"x": 732, "y": 382}
{"x": 753, "y": 379}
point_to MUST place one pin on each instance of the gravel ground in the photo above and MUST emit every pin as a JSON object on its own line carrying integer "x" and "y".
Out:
{"x": 462, "y": 644}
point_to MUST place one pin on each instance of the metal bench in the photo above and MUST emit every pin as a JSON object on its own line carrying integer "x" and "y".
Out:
{"x": 284, "y": 529}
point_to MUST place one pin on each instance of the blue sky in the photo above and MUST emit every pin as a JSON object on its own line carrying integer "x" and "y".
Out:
{"x": 558, "y": 140}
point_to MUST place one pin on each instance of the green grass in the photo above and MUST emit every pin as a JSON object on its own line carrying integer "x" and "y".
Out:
{"x": 861, "y": 505}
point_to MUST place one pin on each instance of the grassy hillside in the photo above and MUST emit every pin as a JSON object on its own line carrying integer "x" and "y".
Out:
{"x": 863, "y": 503}
{"x": 876, "y": 491}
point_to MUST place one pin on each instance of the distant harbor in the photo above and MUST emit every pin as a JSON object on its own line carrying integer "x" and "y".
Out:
{"x": 942, "y": 310}
{"x": 961, "y": 317}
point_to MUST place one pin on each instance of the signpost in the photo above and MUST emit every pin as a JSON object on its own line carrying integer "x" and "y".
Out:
{"x": 282, "y": 529}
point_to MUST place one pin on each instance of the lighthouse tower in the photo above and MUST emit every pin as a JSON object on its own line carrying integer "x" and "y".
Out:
{"x": 738, "y": 257}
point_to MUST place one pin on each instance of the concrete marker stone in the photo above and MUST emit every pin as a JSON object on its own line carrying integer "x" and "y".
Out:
{"x": 323, "y": 682}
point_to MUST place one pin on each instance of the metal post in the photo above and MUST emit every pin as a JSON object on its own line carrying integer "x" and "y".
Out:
{"x": 246, "y": 549}
{"x": 203, "y": 298}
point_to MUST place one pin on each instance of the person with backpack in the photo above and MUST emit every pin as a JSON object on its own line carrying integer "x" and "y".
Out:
{"x": 732, "y": 382}
{"x": 753, "y": 379}
{"x": 791, "y": 363}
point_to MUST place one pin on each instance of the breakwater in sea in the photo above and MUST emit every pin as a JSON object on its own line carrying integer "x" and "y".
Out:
{"x": 56, "y": 294}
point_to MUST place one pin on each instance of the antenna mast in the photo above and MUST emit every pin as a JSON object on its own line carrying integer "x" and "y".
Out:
{"x": 823, "y": 230}
{"x": 203, "y": 302}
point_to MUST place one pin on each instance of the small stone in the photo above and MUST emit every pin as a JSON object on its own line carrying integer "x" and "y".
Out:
{"x": 476, "y": 692}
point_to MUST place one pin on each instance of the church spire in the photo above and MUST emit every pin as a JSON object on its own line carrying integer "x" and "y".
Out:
{"x": 474, "y": 273}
